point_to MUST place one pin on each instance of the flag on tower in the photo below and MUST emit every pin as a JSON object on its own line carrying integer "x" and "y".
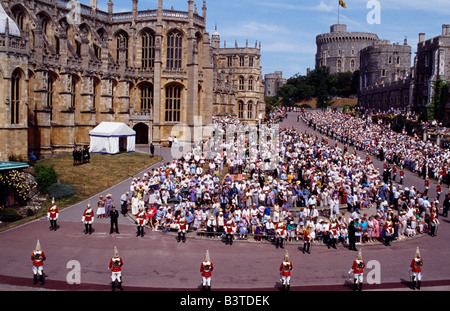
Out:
{"x": 342, "y": 4}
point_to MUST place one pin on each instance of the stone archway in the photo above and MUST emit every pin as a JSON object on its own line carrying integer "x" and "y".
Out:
{"x": 141, "y": 133}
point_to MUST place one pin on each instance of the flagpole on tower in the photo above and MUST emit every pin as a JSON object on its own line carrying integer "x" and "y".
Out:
{"x": 341, "y": 3}
{"x": 339, "y": 6}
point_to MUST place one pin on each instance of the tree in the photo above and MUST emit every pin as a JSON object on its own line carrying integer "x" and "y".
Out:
{"x": 319, "y": 84}
{"x": 325, "y": 85}
{"x": 436, "y": 108}
{"x": 45, "y": 177}
{"x": 287, "y": 94}
{"x": 271, "y": 102}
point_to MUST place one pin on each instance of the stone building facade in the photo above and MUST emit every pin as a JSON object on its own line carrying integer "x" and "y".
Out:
{"x": 272, "y": 82}
{"x": 383, "y": 63}
{"x": 72, "y": 66}
{"x": 385, "y": 76}
{"x": 238, "y": 88}
{"x": 385, "y": 85}
{"x": 339, "y": 50}
{"x": 394, "y": 95}
{"x": 432, "y": 61}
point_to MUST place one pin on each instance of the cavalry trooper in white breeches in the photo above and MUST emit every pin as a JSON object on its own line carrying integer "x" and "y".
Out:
{"x": 415, "y": 270}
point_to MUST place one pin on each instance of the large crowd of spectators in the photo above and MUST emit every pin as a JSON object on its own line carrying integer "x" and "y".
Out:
{"x": 377, "y": 139}
{"x": 301, "y": 181}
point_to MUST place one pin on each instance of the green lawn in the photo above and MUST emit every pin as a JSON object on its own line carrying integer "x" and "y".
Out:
{"x": 102, "y": 172}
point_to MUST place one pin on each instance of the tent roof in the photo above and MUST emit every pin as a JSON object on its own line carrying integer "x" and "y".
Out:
{"x": 4, "y": 165}
{"x": 109, "y": 129}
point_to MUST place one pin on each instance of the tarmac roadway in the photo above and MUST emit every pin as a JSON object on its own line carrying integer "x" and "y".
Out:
{"x": 157, "y": 262}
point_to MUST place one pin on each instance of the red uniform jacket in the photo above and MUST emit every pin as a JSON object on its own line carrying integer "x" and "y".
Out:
{"x": 141, "y": 218}
{"x": 334, "y": 229}
{"x": 206, "y": 268}
{"x": 285, "y": 268}
{"x": 389, "y": 227}
{"x": 414, "y": 267}
{"x": 88, "y": 215}
{"x": 182, "y": 223}
{"x": 358, "y": 268}
{"x": 434, "y": 218}
{"x": 52, "y": 212}
{"x": 38, "y": 258}
{"x": 306, "y": 236}
{"x": 280, "y": 230}
{"x": 115, "y": 264}
{"x": 229, "y": 226}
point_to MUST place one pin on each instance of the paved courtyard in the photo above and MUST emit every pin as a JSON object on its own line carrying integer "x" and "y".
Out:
{"x": 157, "y": 262}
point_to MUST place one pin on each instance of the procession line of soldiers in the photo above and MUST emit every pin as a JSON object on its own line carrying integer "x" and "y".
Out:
{"x": 38, "y": 257}
{"x": 87, "y": 218}
{"x": 206, "y": 268}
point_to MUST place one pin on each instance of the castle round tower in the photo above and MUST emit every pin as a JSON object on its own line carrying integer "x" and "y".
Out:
{"x": 339, "y": 49}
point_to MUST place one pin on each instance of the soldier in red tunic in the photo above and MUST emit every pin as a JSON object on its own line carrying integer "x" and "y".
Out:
{"x": 230, "y": 227}
{"x": 438, "y": 190}
{"x": 88, "y": 219}
{"x": 52, "y": 215}
{"x": 115, "y": 265}
{"x": 206, "y": 268}
{"x": 415, "y": 270}
{"x": 38, "y": 258}
{"x": 389, "y": 231}
{"x": 280, "y": 233}
{"x": 394, "y": 172}
{"x": 307, "y": 238}
{"x": 358, "y": 272}
{"x": 182, "y": 228}
{"x": 402, "y": 175}
{"x": 285, "y": 270}
{"x": 141, "y": 220}
{"x": 334, "y": 233}
{"x": 434, "y": 221}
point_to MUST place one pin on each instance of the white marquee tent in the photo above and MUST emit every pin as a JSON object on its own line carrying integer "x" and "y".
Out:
{"x": 112, "y": 137}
